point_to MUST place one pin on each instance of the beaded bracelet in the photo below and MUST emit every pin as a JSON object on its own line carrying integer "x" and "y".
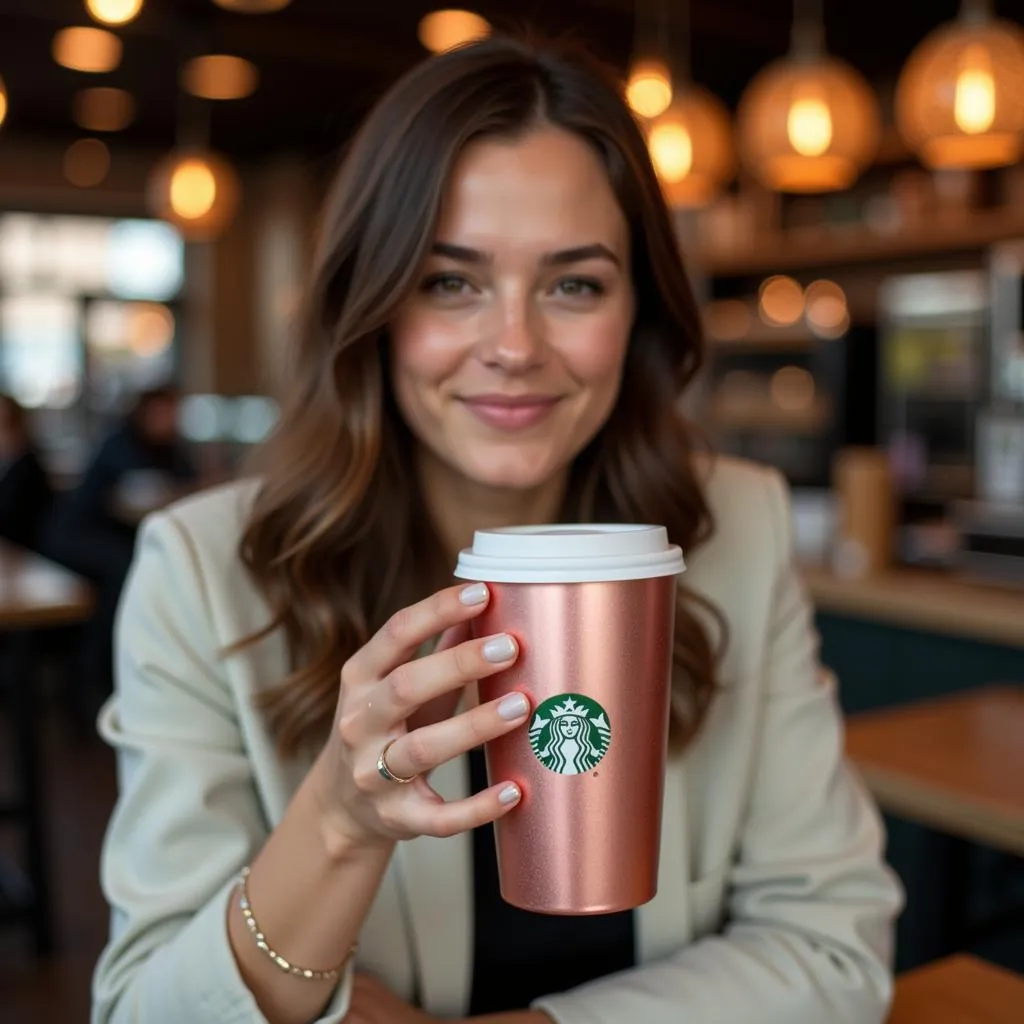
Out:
{"x": 256, "y": 932}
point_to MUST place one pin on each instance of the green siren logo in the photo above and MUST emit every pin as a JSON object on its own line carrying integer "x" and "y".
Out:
{"x": 570, "y": 733}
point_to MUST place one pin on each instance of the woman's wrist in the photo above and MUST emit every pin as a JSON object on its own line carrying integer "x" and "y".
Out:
{"x": 310, "y": 899}
{"x": 342, "y": 839}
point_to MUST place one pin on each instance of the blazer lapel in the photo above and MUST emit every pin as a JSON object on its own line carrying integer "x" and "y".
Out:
{"x": 664, "y": 924}
{"x": 437, "y": 877}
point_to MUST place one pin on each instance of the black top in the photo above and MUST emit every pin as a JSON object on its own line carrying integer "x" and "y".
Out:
{"x": 518, "y": 955}
{"x": 25, "y": 498}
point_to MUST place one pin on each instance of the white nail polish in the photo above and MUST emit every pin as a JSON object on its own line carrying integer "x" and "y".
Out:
{"x": 475, "y": 593}
{"x": 514, "y": 706}
{"x": 509, "y": 795}
{"x": 499, "y": 648}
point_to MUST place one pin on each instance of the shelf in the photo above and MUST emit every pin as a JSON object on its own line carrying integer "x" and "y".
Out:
{"x": 976, "y": 230}
{"x": 733, "y": 416}
{"x": 768, "y": 340}
{"x": 923, "y": 599}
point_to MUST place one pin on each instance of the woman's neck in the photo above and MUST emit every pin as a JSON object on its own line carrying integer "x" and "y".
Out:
{"x": 458, "y": 506}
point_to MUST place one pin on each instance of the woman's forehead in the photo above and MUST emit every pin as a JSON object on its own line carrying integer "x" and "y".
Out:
{"x": 537, "y": 194}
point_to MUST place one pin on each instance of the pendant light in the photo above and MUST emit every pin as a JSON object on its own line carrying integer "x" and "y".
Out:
{"x": 193, "y": 187}
{"x": 92, "y": 50}
{"x": 960, "y": 96}
{"x": 649, "y": 83}
{"x": 440, "y": 31}
{"x": 3, "y": 101}
{"x": 114, "y": 12}
{"x": 808, "y": 122}
{"x": 691, "y": 142}
{"x": 196, "y": 190}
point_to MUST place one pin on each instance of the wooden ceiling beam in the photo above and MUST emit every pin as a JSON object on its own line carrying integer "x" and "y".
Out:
{"x": 725, "y": 21}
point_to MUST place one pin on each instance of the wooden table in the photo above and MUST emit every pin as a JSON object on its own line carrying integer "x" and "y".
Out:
{"x": 34, "y": 594}
{"x": 954, "y": 763}
{"x": 959, "y": 990}
{"x": 933, "y": 601}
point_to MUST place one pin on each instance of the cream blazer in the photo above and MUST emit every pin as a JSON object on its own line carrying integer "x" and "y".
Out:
{"x": 773, "y": 904}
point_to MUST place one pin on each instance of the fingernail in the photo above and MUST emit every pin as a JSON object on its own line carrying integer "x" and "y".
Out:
{"x": 499, "y": 648}
{"x": 514, "y": 706}
{"x": 475, "y": 593}
{"x": 509, "y": 795}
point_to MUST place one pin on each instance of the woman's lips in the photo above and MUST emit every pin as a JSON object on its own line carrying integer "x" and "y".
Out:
{"x": 510, "y": 413}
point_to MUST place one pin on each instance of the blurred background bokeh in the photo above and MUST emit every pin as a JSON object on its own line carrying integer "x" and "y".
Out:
{"x": 848, "y": 184}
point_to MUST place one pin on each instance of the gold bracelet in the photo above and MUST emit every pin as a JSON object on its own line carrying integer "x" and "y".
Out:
{"x": 261, "y": 940}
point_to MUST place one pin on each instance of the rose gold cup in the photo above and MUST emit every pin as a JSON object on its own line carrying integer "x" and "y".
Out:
{"x": 593, "y": 610}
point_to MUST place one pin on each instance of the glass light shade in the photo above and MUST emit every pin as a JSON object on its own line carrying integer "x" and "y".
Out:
{"x": 218, "y": 76}
{"x": 93, "y": 50}
{"x": 808, "y": 126}
{"x": 114, "y": 12}
{"x": 649, "y": 88}
{"x": 960, "y": 96}
{"x": 86, "y": 163}
{"x": 103, "y": 109}
{"x": 691, "y": 147}
{"x": 3, "y": 101}
{"x": 195, "y": 190}
{"x": 444, "y": 30}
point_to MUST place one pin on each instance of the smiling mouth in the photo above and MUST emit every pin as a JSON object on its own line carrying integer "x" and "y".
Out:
{"x": 506, "y": 412}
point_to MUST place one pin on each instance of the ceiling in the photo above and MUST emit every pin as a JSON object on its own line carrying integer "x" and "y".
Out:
{"x": 322, "y": 62}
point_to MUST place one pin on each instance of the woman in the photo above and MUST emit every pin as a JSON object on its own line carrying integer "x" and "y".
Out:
{"x": 499, "y": 329}
{"x": 25, "y": 492}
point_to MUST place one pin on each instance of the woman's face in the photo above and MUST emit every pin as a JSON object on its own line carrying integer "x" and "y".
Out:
{"x": 507, "y": 358}
{"x": 570, "y": 727}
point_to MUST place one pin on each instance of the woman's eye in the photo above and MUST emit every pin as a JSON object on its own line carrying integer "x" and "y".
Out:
{"x": 446, "y": 285}
{"x": 579, "y": 287}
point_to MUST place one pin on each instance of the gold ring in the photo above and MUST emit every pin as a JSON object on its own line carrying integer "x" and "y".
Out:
{"x": 385, "y": 771}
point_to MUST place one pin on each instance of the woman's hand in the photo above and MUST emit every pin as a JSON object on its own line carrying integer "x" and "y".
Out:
{"x": 372, "y": 1003}
{"x": 383, "y": 686}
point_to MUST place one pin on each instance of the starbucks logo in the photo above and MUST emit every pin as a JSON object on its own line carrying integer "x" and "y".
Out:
{"x": 570, "y": 733}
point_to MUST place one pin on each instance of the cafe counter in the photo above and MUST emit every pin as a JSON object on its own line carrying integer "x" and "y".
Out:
{"x": 925, "y": 600}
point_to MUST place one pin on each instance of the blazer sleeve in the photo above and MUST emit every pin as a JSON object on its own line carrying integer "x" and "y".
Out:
{"x": 187, "y": 816}
{"x": 812, "y": 904}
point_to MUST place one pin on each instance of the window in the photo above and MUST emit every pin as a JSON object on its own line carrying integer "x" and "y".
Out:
{"x": 88, "y": 317}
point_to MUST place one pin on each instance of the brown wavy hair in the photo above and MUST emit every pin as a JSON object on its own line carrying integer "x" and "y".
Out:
{"x": 338, "y": 538}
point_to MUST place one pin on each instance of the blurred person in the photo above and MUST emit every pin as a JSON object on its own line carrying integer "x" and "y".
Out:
{"x": 498, "y": 331}
{"x": 25, "y": 491}
{"x": 93, "y": 526}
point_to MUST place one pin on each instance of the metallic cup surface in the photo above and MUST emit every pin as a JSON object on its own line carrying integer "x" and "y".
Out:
{"x": 595, "y": 661}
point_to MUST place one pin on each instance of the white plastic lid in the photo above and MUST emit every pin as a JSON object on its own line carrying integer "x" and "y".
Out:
{"x": 573, "y": 553}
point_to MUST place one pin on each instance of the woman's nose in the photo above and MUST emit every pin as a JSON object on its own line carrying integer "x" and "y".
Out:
{"x": 516, "y": 341}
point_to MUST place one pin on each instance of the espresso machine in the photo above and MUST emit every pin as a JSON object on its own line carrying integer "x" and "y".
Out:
{"x": 933, "y": 384}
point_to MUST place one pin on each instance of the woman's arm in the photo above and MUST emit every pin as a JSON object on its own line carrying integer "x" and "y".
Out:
{"x": 812, "y": 904}
{"x": 188, "y": 818}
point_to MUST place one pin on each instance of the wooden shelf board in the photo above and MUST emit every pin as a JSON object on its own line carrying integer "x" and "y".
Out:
{"x": 923, "y": 599}
{"x": 976, "y": 230}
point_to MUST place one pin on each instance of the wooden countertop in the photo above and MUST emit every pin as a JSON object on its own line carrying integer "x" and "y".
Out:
{"x": 958, "y": 990}
{"x": 36, "y": 592}
{"x": 954, "y": 763}
{"x": 923, "y": 599}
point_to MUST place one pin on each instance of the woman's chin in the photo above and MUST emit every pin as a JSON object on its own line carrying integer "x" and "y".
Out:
{"x": 509, "y": 477}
